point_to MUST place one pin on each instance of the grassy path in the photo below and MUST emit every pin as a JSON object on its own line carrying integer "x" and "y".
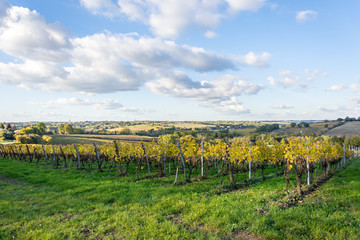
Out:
{"x": 38, "y": 202}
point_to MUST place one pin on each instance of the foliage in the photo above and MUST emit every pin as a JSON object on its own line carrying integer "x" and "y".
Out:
{"x": 28, "y": 138}
{"x": 6, "y": 134}
{"x": 267, "y": 128}
{"x": 68, "y": 129}
{"x": 41, "y": 127}
{"x": 47, "y": 139}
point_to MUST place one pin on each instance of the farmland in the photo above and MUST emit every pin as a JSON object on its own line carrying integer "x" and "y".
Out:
{"x": 126, "y": 190}
{"x": 348, "y": 129}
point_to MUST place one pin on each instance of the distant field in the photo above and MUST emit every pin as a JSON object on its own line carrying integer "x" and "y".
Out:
{"x": 244, "y": 131}
{"x": 317, "y": 128}
{"x": 99, "y": 139}
{"x": 348, "y": 129}
{"x": 136, "y": 128}
{"x": 156, "y": 126}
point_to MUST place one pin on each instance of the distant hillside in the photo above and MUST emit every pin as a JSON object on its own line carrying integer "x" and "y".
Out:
{"x": 348, "y": 129}
{"x": 316, "y": 128}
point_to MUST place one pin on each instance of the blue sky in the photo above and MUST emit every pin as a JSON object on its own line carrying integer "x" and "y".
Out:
{"x": 179, "y": 60}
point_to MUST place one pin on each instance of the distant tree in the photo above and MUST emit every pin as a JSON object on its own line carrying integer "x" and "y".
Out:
{"x": 325, "y": 121}
{"x": 339, "y": 120}
{"x": 306, "y": 124}
{"x": 6, "y": 134}
{"x": 42, "y": 128}
{"x": 78, "y": 130}
{"x": 68, "y": 129}
{"x": 125, "y": 131}
{"x": 8, "y": 126}
{"x": 47, "y": 139}
{"x": 61, "y": 129}
{"x": 311, "y": 134}
{"x": 292, "y": 124}
{"x": 337, "y": 139}
{"x": 326, "y": 125}
{"x": 30, "y": 130}
{"x": 267, "y": 128}
{"x": 2, "y": 126}
{"x": 355, "y": 141}
{"x": 347, "y": 141}
{"x": 28, "y": 138}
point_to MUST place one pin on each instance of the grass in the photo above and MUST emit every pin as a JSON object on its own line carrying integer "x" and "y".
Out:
{"x": 39, "y": 202}
{"x": 64, "y": 139}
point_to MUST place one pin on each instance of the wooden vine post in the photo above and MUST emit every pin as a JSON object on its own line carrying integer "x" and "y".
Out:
{"x": 98, "y": 158}
{"x": 147, "y": 159}
{"x": 78, "y": 156}
{"x": 17, "y": 150}
{"x": 250, "y": 162}
{"x": 202, "y": 158}
{"x": 64, "y": 157}
{"x": 183, "y": 160}
{"x": 118, "y": 158}
{"x": 307, "y": 162}
{"x": 27, "y": 148}
{"x": 46, "y": 156}
{"x": 54, "y": 155}
{"x": 165, "y": 160}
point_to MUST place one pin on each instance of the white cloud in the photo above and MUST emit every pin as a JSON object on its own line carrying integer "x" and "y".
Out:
{"x": 170, "y": 18}
{"x": 101, "y": 7}
{"x": 245, "y": 5}
{"x": 289, "y": 79}
{"x": 99, "y": 63}
{"x": 210, "y": 34}
{"x": 282, "y": 106}
{"x": 26, "y": 35}
{"x": 305, "y": 16}
{"x": 337, "y": 87}
{"x": 109, "y": 104}
{"x": 251, "y": 59}
{"x": 271, "y": 80}
{"x": 299, "y": 80}
{"x": 217, "y": 93}
{"x": 333, "y": 109}
{"x": 106, "y": 62}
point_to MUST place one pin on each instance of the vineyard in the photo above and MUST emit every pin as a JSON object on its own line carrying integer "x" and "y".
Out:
{"x": 194, "y": 159}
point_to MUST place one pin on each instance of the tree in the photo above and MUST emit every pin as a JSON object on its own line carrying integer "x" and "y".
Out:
{"x": 355, "y": 141}
{"x": 326, "y": 125}
{"x": 61, "y": 128}
{"x": 30, "y": 130}
{"x": 293, "y": 125}
{"x": 42, "y": 128}
{"x": 8, "y": 126}
{"x": 2, "y": 126}
{"x": 68, "y": 129}
{"x": 47, "y": 139}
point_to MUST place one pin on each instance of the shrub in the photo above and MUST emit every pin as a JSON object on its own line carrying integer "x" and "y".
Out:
{"x": 28, "y": 138}
{"x": 47, "y": 139}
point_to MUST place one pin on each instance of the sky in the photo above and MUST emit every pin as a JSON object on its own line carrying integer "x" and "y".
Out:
{"x": 190, "y": 60}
